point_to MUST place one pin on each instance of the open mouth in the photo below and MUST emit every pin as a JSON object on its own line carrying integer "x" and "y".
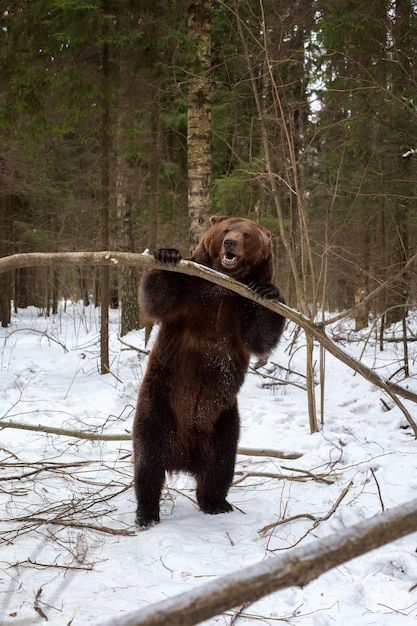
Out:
{"x": 229, "y": 259}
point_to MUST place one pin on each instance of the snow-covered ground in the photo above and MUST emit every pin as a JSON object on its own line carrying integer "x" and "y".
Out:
{"x": 69, "y": 550}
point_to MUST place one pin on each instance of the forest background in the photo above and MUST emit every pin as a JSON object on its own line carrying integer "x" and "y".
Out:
{"x": 126, "y": 125}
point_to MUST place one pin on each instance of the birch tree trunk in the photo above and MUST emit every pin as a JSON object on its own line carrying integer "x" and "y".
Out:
{"x": 199, "y": 121}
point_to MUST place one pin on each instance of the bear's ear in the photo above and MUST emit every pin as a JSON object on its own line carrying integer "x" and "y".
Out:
{"x": 215, "y": 219}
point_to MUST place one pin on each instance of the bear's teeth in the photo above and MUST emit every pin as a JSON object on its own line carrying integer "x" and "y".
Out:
{"x": 229, "y": 261}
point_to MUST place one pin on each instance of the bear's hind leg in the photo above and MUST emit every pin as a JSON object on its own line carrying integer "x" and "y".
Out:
{"x": 214, "y": 482}
{"x": 149, "y": 478}
{"x": 150, "y": 434}
{"x": 212, "y": 498}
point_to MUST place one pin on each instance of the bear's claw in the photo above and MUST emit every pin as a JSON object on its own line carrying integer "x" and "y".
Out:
{"x": 167, "y": 255}
{"x": 144, "y": 522}
{"x": 268, "y": 290}
{"x": 216, "y": 507}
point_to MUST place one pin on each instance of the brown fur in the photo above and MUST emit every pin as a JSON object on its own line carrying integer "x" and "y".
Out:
{"x": 187, "y": 417}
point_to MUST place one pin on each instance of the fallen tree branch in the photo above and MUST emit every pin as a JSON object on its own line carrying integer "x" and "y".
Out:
{"x": 316, "y": 331}
{"x": 295, "y": 569}
{"x": 75, "y": 259}
{"x": 74, "y": 524}
{"x": 405, "y": 393}
{"x": 277, "y": 454}
{"x": 302, "y": 478}
{"x": 79, "y": 434}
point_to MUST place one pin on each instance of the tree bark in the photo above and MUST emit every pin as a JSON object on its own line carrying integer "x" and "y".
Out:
{"x": 154, "y": 170}
{"x": 199, "y": 121}
{"x": 5, "y": 248}
{"x": 127, "y": 287}
{"x": 105, "y": 204}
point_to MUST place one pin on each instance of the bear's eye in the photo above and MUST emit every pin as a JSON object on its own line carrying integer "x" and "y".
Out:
{"x": 226, "y": 230}
{"x": 246, "y": 235}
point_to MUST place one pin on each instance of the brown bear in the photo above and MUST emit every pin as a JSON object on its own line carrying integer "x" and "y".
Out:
{"x": 187, "y": 415}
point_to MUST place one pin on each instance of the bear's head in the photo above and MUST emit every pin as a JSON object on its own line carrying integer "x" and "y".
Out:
{"x": 238, "y": 247}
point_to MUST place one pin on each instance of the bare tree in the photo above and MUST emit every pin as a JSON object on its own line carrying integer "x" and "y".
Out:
{"x": 299, "y": 251}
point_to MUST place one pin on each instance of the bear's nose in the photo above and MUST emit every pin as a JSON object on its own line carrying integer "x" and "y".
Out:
{"x": 229, "y": 244}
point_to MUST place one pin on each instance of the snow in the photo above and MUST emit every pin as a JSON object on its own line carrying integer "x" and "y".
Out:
{"x": 70, "y": 552}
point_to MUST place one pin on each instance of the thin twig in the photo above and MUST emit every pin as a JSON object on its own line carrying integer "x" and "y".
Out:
{"x": 74, "y": 524}
{"x": 41, "y": 332}
{"x": 378, "y": 489}
{"x": 316, "y": 520}
{"x": 320, "y": 477}
{"x": 36, "y": 564}
{"x": 274, "y": 380}
{"x": 135, "y": 348}
{"x": 302, "y": 479}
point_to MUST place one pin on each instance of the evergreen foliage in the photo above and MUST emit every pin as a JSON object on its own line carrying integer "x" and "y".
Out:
{"x": 337, "y": 107}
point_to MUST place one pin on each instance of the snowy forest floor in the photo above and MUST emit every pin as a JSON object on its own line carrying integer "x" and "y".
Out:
{"x": 69, "y": 551}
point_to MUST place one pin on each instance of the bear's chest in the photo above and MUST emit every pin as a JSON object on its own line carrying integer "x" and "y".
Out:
{"x": 213, "y": 310}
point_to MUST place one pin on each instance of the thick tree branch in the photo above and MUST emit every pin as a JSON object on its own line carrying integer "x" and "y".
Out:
{"x": 316, "y": 331}
{"x": 297, "y": 568}
{"x": 31, "y": 259}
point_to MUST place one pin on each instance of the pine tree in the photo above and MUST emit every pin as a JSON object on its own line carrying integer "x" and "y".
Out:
{"x": 362, "y": 135}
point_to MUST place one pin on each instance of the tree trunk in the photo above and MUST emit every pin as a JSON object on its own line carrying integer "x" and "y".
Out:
{"x": 398, "y": 295}
{"x": 361, "y": 292}
{"x": 127, "y": 275}
{"x": 154, "y": 186}
{"x": 154, "y": 171}
{"x": 199, "y": 121}
{"x": 5, "y": 249}
{"x": 105, "y": 202}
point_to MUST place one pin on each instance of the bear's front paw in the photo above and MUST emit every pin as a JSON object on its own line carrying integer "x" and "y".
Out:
{"x": 167, "y": 255}
{"x": 268, "y": 290}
